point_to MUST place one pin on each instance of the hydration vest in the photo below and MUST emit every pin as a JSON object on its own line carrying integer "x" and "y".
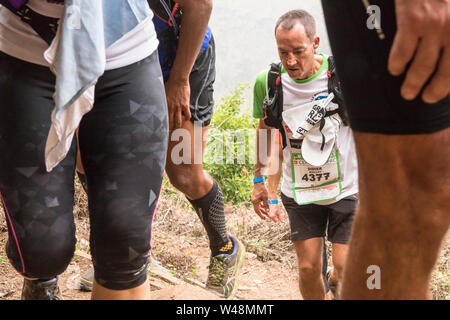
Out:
{"x": 167, "y": 21}
{"x": 44, "y": 26}
{"x": 273, "y": 102}
{"x": 19, "y": 4}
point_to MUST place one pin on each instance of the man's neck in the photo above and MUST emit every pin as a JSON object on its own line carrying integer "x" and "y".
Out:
{"x": 318, "y": 60}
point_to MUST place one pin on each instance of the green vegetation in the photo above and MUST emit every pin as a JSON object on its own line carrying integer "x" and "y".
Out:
{"x": 229, "y": 156}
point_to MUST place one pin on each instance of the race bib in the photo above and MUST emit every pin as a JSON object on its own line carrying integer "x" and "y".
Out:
{"x": 311, "y": 184}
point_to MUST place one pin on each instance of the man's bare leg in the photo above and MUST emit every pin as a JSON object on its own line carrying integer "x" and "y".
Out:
{"x": 141, "y": 292}
{"x": 339, "y": 254}
{"x": 403, "y": 214}
{"x": 190, "y": 179}
{"x": 200, "y": 188}
{"x": 309, "y": 257}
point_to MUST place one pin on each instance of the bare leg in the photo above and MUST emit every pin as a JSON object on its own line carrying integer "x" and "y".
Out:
{"x": 339, "y": 254}
{"x": 80, "y": 168}
{"x": 190, "y": 179}
{"x": 141, "y": 292}
{"x": 403, "y": 214}
{"x": 309, "y": 257}
{"x": 200, "y": 188}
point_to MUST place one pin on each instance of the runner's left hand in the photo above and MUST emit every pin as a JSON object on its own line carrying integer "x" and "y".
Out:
{"x": 275, "y": 212}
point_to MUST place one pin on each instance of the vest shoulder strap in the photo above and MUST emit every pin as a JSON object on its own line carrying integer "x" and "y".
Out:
{"x": 334, "y": 85}
{"x": 168, "y": 11}
{"x": 273, "y": 102}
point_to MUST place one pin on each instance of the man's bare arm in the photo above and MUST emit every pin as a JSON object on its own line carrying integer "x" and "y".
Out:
{"x": 196, "y": 14}
{"x": 275, "y": 167}
{"x": 262, "y": 151}
{"x": 260, "y": 195}
{"x": 273, "y": 181}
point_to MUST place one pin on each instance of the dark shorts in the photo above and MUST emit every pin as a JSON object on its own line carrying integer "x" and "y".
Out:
{"x": 372, "y": 95}
{"x": 201, "y": 80}
{"x": 316, "y": 221}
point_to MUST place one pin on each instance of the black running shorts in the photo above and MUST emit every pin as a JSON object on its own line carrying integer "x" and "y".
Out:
{"x": 317, "y": 221}
{"x": 372, "y": 95}
{"x": 201, "y": 80}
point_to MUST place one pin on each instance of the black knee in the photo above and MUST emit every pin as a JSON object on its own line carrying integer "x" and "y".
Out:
{"x": 44, "y": 256}
{"x": 120, "y": 247}
{"x": 122, "y": 274}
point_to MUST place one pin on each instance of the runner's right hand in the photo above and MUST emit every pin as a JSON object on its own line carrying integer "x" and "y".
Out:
{"x": 260, "y": 197}
{"x": 423, "y": 28}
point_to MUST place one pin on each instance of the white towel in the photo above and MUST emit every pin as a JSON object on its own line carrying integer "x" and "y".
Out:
{"x": 305, "y": 121}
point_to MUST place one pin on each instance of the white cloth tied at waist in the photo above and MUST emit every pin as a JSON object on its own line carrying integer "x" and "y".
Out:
{"x": 64, "y": 124}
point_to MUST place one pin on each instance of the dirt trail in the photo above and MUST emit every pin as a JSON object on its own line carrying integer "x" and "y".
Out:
{"x": 180, "y": 246}
{"x": 258, "y": 280}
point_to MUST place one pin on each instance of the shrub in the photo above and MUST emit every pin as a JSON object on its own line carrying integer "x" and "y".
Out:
{"x": 229, "y": 154}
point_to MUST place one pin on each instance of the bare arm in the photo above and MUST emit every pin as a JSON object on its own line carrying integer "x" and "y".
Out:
{"x": 262, "y": 151}
{"x": 273, "y": 181}
{"x": 196, "y": 14}
{"x": 260, "y": 195}
{"x": 423, "y": 39}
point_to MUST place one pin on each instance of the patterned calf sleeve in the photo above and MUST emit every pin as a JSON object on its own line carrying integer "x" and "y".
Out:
{"x": 210, "y": 210}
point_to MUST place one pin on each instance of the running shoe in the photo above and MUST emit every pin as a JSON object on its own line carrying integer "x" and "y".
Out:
{"x": 224, "y": 270}
{"x": 87, "y": 280}
{"x": 41, "y": 290}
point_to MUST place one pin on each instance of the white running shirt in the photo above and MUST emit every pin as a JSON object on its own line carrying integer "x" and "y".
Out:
{"x": 19, "y": 40}
{"x": 298, "y": 92}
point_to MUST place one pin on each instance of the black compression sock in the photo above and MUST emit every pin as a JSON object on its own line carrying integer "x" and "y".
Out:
{"x": 210, "y": 210}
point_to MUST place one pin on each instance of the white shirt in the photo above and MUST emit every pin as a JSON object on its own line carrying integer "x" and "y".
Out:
{"x": 19, "y": 40}
{"x": 296, "y": 93}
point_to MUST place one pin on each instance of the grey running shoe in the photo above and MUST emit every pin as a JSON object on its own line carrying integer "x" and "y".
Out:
{"x": 87, "y": 280}
{"x": 224, "y": 270}
{"x": 41, "y": 290}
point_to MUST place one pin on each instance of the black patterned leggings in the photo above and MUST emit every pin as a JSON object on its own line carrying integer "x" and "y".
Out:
{"x": 123, "y": 142}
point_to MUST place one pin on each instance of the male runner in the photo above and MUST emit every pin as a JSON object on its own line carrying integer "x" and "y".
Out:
{"x": 396, "y": 82}
{"x": 314, "y": 195}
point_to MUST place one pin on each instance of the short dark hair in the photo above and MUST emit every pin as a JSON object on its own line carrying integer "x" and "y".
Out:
{"x": 288, "y": 20}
